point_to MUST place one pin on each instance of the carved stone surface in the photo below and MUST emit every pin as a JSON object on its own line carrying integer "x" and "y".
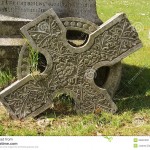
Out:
{"x": 30, "y": 9}
{"x": 10, "y": 27}
{"x": 70, "y": 69}
{"x": 30, "y": 99}
{"x": 113, "y": 80}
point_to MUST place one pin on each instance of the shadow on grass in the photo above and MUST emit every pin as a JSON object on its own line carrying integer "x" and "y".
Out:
{"x": 134, "y": 90}
{"x": 132, "y": 95}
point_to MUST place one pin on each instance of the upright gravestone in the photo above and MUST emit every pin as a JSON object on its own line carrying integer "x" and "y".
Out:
{"x": 30, "y": 9}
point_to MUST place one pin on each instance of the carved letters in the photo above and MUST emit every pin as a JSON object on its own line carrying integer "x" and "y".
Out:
{"x": 31, "y": 9}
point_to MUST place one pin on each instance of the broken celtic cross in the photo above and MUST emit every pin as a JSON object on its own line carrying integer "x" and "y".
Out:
{"x": 70, "y": 69}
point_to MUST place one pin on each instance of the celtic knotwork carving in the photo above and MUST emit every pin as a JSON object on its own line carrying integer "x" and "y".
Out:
{"x": 78, "y": 24}
{"x": 111, "y": 42}
{"x": 116, "y": 41}
{"x": 27, "y": 100}
{"x": 46, "y": 33}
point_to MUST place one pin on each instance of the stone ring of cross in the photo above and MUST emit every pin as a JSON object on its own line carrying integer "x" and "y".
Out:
{"x": 70, "y": 69}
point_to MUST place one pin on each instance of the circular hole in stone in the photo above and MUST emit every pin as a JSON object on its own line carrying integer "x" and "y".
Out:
{"x": 64, "y": 104}
{"x": 77, "y": 38}
{"x": 101, "y": 77}
{"x": 42, "y": 63}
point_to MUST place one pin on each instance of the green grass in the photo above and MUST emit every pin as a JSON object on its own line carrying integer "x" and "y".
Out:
{"x": 33, "y": 58}
{"x": 132, "y": 98}
{"x": 6, "y": 78}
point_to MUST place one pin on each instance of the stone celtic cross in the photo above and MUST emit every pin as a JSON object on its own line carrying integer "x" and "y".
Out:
{"x": 69, "y": 68}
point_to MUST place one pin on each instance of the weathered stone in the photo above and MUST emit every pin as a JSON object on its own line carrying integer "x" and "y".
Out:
{"x": 112, "y": 79}
{"x": 8, "y": 53}
{"x": 30, "y": 9}
{"x": 28, "y": 100}
{"x": 11, "y": 42}
{"x": 10, "y": 34}
{"x": 43, "y": 123}
{"x": 10, "y": 27}
{"x": 70, "y": 69}
{"x": 4, "y": 42}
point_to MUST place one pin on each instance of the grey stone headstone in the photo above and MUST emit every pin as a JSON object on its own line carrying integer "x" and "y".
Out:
{"x": 30, "y": 9}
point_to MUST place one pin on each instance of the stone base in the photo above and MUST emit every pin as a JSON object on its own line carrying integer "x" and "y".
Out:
{"x": 11, "y": 42}
{"x": 9, "y": 58}
{"x": 10, "y": 27}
